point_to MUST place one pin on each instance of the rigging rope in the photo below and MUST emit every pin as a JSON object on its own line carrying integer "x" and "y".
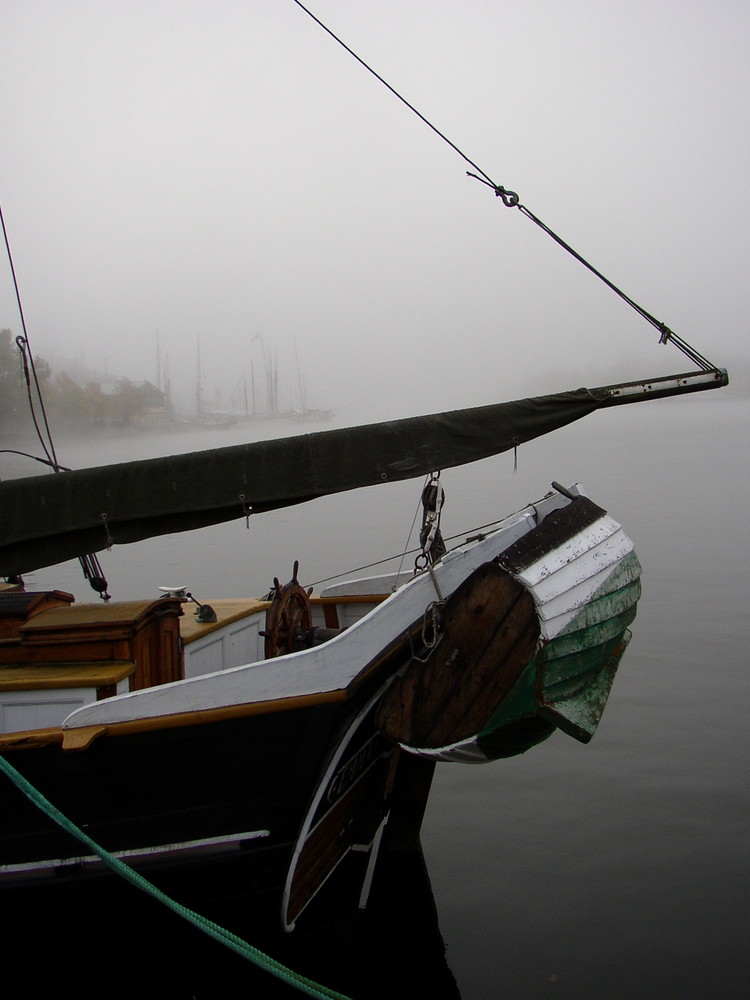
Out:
{"x": 24, "y": 346}
{"x": 405, "y": 552}
{"x": 461, "y": 538}
{"x": 511, "y": 200}
{"x": 34, "y": 458}
{"x": 213, "y": 930}
{"x": 90, "y": 564}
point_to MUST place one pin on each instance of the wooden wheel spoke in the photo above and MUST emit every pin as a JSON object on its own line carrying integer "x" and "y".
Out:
{"x": 288, "y": 619}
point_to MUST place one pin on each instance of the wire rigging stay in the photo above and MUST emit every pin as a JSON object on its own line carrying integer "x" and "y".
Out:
{"x": 90, "y": 565}
{"x": 511, "y": 200}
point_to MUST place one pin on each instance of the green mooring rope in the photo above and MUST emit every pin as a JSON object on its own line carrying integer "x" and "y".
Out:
{"x": 220, "y": 934}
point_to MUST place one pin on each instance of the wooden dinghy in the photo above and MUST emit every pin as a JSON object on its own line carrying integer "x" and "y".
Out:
{"x": 529, "y": 642}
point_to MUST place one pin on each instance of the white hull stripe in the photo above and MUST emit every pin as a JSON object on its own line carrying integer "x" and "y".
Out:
{"x": 569, "y": 573}
{"x": 574, "y": 600}
{"x": 593, "y": 612}
{"x": 140, "y": 852}
{"x": 565, "y": 553}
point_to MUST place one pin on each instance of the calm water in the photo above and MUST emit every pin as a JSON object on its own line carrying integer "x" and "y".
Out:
{"x": 605, "y": 872}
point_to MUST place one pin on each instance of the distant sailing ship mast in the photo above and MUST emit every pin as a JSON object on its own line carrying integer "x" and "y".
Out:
{"x": 198, "y": 386}
{"x": 262, "y": 398}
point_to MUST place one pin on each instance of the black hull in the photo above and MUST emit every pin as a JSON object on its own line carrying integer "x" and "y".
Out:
{"x": 239, "y": 885}
{"x": 219, "y": 805}
{"x": 173, "y": 786}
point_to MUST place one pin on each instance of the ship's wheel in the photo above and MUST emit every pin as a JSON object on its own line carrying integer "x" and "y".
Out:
{"x": 288, "y": 619}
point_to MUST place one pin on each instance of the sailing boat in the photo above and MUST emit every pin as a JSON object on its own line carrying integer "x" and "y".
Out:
{"x": 290, "y": 728}
{"x": 271, "y": 739}
{"x": 262, "y": 401}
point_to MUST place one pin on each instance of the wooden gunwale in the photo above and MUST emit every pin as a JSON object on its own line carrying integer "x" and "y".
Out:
{"x": 30, "y": 739}
{"x": 75, "y": 738}
{"x": 68, "y": 737}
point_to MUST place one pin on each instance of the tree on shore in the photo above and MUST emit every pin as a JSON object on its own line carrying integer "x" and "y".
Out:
{"x": 68, "y": 404}
{"x": 14, "y": 406}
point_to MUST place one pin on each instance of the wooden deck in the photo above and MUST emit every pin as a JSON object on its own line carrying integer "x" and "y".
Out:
{"x": 227, "y": 610}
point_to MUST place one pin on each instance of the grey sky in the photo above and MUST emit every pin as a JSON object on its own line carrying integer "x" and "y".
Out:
{"x": 211, "y": 170}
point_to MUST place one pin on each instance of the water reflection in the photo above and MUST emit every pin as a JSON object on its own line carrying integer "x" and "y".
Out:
{"x": 118, "y": 941}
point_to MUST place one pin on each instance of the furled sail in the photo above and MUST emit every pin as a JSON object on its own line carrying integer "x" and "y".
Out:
{"x": 48, "y": 519}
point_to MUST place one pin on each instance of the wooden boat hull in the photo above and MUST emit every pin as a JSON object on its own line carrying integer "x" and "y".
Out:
{"x": 283, "y": 768}
{"x": 229, "y": 796}
{"x": 530, "y": 642}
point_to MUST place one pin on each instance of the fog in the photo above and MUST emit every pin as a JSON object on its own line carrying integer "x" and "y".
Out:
{"x": 224, "y": 177}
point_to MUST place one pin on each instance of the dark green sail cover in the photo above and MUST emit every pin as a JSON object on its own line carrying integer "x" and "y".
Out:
{"x": 47, "y": 519}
